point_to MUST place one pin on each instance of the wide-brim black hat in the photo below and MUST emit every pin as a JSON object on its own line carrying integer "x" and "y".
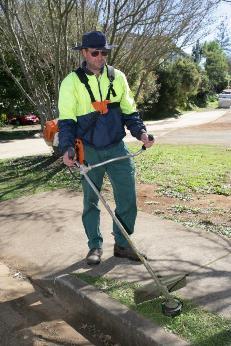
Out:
{"x": 94, "y": 39}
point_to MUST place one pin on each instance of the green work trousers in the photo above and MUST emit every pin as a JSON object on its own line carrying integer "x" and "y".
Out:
{"x": 122, "y": 178}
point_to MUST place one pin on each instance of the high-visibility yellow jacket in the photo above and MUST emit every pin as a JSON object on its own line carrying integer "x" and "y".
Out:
{"x": 79, "y": 119}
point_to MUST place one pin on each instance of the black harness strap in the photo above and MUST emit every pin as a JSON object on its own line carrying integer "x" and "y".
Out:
{"x": 84, "y": 79}
{"x": 111, "y": 77}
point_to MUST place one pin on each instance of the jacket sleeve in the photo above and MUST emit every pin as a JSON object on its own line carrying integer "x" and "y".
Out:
{"x": 67, "y": 134}
{"x": 67, "y": 114}
{"x": 131, "y": 117}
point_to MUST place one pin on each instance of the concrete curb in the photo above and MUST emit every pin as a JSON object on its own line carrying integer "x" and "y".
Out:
{"x": 93, "y": 306}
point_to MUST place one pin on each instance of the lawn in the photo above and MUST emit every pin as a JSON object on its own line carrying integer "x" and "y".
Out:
{"x": 185, "y": 169}
{"x": 175, "y": 170}
{"x": 11, "y": 133}
{"x": 187, "y": 184}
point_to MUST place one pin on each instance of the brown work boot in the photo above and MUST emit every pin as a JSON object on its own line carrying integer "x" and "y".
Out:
{"x": 126, "y": 252}
{"x": 94, "y": 256}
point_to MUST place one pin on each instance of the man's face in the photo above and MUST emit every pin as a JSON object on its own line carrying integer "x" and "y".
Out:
{"x": 94, "y": 58}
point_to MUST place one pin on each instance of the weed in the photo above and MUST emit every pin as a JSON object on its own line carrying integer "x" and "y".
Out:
{"x": 183, "y": 209}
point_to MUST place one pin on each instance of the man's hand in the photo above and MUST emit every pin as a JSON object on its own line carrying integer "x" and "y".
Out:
{"x": 145, "y": 139}
{"x": 69, "y": 158}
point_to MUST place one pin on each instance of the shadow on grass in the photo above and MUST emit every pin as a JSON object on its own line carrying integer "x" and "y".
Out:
{"x": 6, "y": 136}
{"x": 28, "y": 175}
{"x": 222, "y": 339}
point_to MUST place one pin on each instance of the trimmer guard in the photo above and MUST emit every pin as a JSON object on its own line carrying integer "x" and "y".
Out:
{"x": 151, "y": 291}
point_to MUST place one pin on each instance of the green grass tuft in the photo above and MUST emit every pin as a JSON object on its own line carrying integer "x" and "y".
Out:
{"x": 199, "y": 327}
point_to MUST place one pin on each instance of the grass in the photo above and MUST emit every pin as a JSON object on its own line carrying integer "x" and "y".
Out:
{"x": 176, "y": 170}
{"x": 210, "y": 105}
{"x": 30, "y": 175}
{"x": 179, "y": 170}
{"x": 199, "y": 327}
{"x": 11, "y": 134}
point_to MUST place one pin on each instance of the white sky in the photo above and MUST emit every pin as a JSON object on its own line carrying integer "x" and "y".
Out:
{"x": 223, "y": 12}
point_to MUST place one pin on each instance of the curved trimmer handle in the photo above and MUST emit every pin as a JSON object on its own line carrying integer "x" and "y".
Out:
{"x": 71, "y": 153}
{"x": 85, "y": 168}
{"x": 150, "y": 138}
{"x": 77, "y": 152}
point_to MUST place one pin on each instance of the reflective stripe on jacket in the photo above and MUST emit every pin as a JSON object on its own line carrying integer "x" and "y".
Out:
{"x": 77, "y": 117}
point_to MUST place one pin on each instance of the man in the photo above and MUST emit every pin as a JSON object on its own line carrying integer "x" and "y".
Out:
{"x": 95, "y": 103}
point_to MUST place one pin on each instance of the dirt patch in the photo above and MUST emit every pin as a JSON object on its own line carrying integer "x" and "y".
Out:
{"x": 210, "y": 212}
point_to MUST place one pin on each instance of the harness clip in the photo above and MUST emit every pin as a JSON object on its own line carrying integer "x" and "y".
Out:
{"x": 101, "y": 106}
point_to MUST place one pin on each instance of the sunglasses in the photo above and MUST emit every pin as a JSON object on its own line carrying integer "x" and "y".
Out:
{"x": 95, "y": 53}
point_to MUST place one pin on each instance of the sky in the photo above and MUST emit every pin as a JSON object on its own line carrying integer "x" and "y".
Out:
{"x": 223, "y": 12}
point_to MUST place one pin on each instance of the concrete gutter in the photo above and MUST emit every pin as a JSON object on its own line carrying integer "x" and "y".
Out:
{"x": 91, "y": 305}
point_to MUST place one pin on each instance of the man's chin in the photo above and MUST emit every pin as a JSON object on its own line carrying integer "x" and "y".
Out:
{"x": 98, "y": 67}
{"x": 101, "y": 66}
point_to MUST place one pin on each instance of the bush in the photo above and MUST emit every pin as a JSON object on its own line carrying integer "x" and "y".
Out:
{"x": 178, "y": 82}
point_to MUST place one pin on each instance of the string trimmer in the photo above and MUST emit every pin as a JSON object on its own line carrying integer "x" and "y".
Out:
{"x": 162, "y": 286}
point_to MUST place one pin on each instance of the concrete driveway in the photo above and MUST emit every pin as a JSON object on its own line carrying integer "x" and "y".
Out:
{"x": 166, "y": 131}
{"x": 216, "y": 132}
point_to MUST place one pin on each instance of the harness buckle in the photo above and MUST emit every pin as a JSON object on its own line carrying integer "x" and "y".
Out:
{"x": 101, "y": 106}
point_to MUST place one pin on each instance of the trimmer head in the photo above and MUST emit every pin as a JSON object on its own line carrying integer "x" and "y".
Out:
{"x": 152, "y": 291}
{"x": 172, "y": 308}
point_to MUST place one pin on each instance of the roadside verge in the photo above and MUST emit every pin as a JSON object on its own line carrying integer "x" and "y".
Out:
{"x": 93, "y": 306}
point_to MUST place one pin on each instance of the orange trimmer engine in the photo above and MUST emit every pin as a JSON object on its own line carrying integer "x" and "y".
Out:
{"x": 50, "y": 130}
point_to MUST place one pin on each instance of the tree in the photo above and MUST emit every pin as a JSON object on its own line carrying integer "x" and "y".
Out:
{"x": 223, "y": 37}
{"x": 12, "y": 100}
{"x": 178, "y": 82}
{"x": 197, "y": 52}
{"x": 216, "y": 65}
{"x": 203, "y": 94}
{"x": 40, "y": 33}
{"x": 35, "y": 33}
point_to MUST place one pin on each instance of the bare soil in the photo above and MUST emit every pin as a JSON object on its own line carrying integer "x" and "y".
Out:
{"x": 210, "y": 212}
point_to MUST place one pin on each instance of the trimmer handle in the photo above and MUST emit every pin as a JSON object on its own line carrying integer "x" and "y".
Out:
{"x": 71, "y": 153}
{"x": 150, "y": 138}
{"x": 77, "y": 152}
